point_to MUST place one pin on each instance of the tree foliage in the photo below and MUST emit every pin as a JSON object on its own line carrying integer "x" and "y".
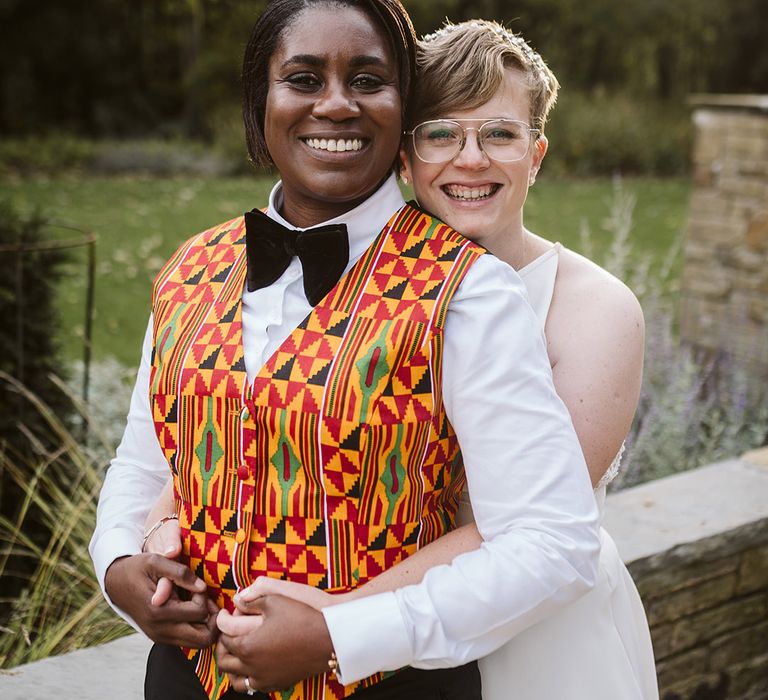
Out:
{"x": 166, "y": 66}
{"x": 29, "y": 274}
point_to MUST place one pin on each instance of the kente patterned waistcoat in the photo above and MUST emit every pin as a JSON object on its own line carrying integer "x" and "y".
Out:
{"x": 338, "y": 461}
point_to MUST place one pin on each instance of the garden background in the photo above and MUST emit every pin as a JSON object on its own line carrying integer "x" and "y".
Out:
{"x": 122, "y": 119}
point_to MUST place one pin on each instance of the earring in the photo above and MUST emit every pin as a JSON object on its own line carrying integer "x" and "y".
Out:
{"x": 405, "y": 179}
{"x": 531, "y": 180}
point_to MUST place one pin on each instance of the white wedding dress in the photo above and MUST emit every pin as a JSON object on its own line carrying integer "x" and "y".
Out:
{"x": 596, "y": 648}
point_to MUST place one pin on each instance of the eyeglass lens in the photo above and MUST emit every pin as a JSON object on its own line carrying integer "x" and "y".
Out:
{"x": 440, "y": 141}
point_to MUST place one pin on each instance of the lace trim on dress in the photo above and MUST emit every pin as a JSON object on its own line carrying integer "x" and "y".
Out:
{"x": 613, "y": 471}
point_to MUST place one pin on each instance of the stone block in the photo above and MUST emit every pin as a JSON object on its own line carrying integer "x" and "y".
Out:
{"x": 700, "y": 252}
{"x": 661, "y": 637}
{"x": 729, "y": 169}
{"x": 749, "y": 679}
{"x": 745, "y": 145}
{"x": 692, "y": 599}
{"x": 709, "y": 204}
{"x": 732, "y": 183}
{"x": 723, "y": 230}
{"x": 753, "y": 571}
{"x": 690, "y": 664}
{"x": 757, "y": 311}
{"x": 710, "y": 624}
{"x": 713, "y": 287}
{"x": 712, "y": 686}
{"x": 743, "y": 258}
{"x": 754, "y": 167}
{"x": 673, "y": 579}
{"x": 703, "y": 175}
{"x": 753, "y": 125}
{"x": 733, "y": 648}
{"x": 709, "y": 137}
{"x": 702, "y": 515}
{"x": 750, "y": 283}
{"x": 757, "y": 457}
{"x": 757, "y": 231}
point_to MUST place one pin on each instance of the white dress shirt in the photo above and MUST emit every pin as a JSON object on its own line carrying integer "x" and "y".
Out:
{"x": 526, "y": 475}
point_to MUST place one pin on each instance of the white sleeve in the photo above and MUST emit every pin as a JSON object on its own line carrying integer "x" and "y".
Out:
{"x": 530, "y": 492}
{"x": 132, "y": 483}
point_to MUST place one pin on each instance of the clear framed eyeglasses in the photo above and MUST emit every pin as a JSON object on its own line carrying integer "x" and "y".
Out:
{"x": 441, "y": 140}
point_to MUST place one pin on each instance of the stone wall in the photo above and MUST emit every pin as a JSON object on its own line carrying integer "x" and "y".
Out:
{"x": 709, "y": 617}
{"x": 705, "y": 588}
{"x": 725, "y": 272}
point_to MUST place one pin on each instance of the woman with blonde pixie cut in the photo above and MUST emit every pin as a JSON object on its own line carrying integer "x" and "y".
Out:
{"x": 476, "y": 145}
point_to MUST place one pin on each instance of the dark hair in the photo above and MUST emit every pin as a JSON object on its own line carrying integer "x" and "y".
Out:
{"x": 265, "y": 39}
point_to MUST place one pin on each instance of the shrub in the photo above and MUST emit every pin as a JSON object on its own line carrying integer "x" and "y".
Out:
{"x": 60, "y": 153}
{"x": 45, "y": 154}
{"x": 29, "y": 274}
{"x": 598, "y": 134}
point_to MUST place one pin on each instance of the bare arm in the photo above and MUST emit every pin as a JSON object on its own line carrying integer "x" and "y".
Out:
{"x": 596, "y": 337}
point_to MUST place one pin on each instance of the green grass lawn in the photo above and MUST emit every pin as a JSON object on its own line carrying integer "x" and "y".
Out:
{"x": 140, "y": 221}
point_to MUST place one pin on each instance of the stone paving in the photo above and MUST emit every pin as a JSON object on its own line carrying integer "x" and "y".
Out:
{"x": 114, "y": 671}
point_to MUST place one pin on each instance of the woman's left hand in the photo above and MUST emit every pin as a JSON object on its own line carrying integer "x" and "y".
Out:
{"x": 264, "y": 585}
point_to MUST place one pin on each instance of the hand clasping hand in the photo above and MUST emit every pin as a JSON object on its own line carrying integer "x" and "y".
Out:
{"x": 131, "y": 583}
{"x": 274, "y": 642}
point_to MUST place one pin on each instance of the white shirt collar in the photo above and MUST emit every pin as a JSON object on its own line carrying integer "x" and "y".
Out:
{"x": 364, "y": 222}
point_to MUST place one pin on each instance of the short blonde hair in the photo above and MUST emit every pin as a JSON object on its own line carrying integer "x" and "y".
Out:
{"x": 461, "y": 66}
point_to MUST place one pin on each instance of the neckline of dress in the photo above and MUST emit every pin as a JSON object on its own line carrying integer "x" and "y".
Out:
{"x": 546, "y": 255}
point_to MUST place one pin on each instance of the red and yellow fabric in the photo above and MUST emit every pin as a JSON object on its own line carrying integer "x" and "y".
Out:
{"x": 338, "y": 460}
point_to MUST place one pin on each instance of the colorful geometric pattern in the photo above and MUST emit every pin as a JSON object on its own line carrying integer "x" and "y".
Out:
{"x": 338, "y": 461}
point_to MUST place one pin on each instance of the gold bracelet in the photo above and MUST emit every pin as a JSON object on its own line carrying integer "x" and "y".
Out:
{"x": 333, "y": 665}
{"x": 156, "y": 527}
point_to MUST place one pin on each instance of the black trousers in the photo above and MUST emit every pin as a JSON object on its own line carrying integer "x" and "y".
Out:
{"x": 170, "y": 676}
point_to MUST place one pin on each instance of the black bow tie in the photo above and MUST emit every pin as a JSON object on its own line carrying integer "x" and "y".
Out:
{"x": 323, "y": 252}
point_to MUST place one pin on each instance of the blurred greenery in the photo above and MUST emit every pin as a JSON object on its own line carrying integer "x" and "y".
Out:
{"x": 169, "y": 68}
{"x": 141, "y": 220}
{"x": 603, "y": 134}
{"x": 167, "y": 71}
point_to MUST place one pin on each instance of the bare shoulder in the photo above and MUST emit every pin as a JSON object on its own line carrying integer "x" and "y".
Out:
{"x": 593, "y": 306}
{"x": 583, "y": 286}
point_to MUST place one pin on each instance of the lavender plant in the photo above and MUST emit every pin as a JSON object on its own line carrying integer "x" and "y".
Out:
{"x": 694, "y": 407}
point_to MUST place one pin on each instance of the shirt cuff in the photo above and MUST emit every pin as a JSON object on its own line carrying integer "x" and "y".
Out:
{"x": 368, "y": 635}
{"x": 112, "y": 545}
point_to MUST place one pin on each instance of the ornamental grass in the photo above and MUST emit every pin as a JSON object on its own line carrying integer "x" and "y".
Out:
{"x": 60, "y": 607}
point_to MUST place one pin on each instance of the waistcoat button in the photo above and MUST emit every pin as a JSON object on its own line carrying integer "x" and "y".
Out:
{"x": 240, "y": 536}
{"x": 245, "y": 414}
{"x": 242, "y": 472}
